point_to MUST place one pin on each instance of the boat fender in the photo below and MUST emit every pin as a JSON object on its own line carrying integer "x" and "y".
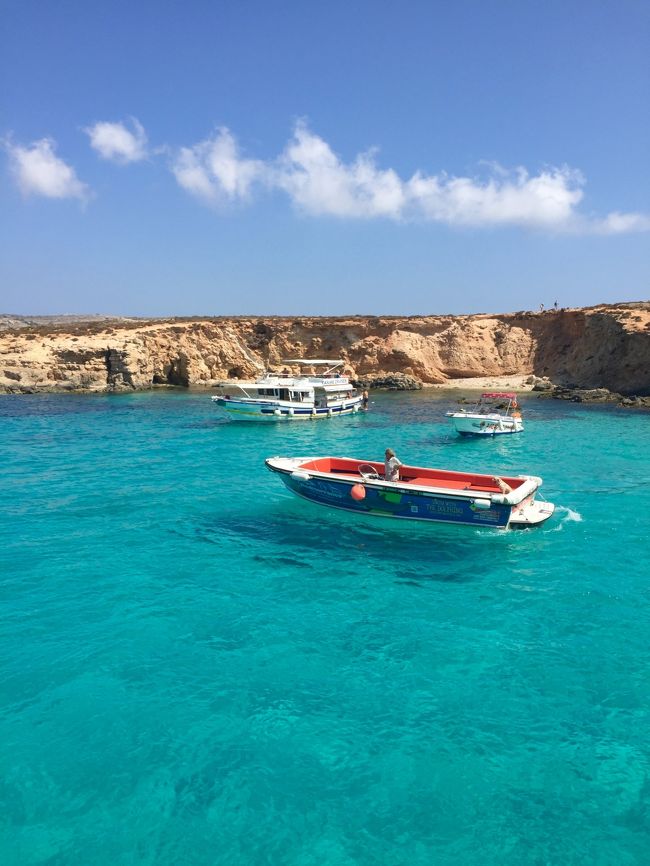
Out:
{"x": 481, "y": 504}
{"x": 329, "y": 413}
{"x": 277, "y": 412}
{"x": 358, "y": 492}
{"x": 290, "y": 411}
{"x": 355, "y": 408}
{"x": 300, "y": 475}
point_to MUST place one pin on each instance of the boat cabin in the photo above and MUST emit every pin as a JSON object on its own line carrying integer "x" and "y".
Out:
{"x": 311, "y": 386}
{"x": 317, "y": 389}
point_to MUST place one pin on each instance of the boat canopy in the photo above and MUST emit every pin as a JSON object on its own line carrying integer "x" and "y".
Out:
{"x": 499, "y": 395}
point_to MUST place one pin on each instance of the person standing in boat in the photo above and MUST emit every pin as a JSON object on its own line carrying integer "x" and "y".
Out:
{"x": 391, "y": 466}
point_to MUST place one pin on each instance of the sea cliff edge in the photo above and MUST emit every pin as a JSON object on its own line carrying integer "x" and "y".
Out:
{"x": 601, "y": 347}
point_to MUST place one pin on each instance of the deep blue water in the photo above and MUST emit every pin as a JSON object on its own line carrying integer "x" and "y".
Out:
{"x": 198, "y": 668}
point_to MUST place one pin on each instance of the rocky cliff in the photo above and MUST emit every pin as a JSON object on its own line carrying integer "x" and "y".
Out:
{"x": 596, "y": 347}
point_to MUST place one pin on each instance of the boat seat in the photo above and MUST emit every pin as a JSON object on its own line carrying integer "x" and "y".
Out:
{"x": 435, "y": 482}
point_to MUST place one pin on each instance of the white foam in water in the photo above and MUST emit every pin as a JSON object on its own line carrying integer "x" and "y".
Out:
{"x": 567, "y": 515}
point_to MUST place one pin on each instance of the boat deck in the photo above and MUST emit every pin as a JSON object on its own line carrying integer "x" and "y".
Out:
{"x": 438, "y": 478}
{"x": 453, "y": 485}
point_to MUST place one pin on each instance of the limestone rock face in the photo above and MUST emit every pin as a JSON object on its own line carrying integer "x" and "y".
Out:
{"x": 598, "y": 347}
{"x": 602, "y": 347}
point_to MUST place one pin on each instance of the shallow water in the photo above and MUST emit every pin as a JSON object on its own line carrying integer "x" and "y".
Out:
{"x": 198, "y": 668}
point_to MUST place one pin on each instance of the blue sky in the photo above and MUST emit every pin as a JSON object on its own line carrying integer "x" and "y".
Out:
{"x": 218, "y": 158}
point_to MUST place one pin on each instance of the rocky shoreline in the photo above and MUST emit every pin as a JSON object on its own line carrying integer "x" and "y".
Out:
{"x": 595, "y": 395}
{"x": 596, "y": 354}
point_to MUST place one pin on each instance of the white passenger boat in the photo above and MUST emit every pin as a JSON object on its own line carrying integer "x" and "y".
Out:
{"x": 322, "y": 393}
{"x": 418, "y": 493}
{"x": 495, "y": 413}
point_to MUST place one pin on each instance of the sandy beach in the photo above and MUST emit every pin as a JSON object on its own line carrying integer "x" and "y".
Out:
{"x": 486, "y": 383}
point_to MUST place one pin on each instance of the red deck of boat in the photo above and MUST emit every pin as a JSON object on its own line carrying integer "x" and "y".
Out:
{"x": 415, "y": 475}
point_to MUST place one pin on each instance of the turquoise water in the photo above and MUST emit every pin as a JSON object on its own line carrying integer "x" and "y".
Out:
{"x": 198, "y": 668}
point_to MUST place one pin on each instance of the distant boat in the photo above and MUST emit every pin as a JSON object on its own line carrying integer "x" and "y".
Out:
{"x": 432, "y": 495}
{"x": 284, "y": 397}
{"x": 494, "y": 413}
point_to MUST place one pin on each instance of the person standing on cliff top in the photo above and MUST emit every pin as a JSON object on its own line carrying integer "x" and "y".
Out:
{"x": 541, "y": 308}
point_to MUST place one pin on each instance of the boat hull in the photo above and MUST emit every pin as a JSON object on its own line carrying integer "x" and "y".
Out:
{"x": 252, "y": 410}
{"x": 400, "y": 502}
{"x": 431, "y": 496}
{"x": 469, "y": 424}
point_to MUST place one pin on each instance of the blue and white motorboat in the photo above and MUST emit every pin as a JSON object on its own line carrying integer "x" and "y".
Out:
{"x": 286, "y": 397}
{"x": 430, "y": 495}
{"x": 495, "y": 413}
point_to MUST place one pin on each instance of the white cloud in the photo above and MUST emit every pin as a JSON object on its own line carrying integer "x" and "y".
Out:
{"x": 113, "y": 141}
{"x": 38, "y": 171}
{"x": 546, "y": 200}
{"x": 318, "y": 182}
{"x": 621, "y": 223}
{"x": 214, "y": 171}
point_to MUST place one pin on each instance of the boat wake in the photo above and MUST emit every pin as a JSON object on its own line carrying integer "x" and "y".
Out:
{"x": 566, "y": 515}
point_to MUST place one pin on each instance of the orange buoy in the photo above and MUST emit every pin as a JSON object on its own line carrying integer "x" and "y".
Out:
{"x": 358, "y": 492}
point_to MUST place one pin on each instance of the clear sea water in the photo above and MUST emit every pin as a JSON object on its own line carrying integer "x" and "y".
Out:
{"x": 198, "y": 668}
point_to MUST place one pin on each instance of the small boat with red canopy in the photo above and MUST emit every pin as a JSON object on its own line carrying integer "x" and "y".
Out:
{"x": 495, "y": 413}
{"x": 433, "y": 495}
